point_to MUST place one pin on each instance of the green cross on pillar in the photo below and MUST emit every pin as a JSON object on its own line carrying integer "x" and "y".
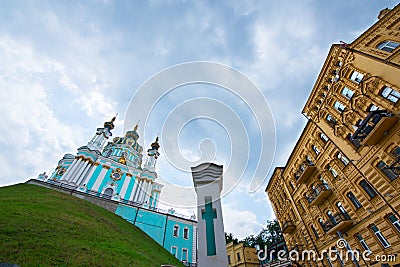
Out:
{"x": 209, "y": 214}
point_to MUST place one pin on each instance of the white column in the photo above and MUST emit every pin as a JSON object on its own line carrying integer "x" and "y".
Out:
{"x": 122, "y": 193}
{"x": 80, "y": 171}
{"x": 92, "y": 170}
{"x": 138, "y": 191}
{"x": 99, "y": 179}
{"x": 135, "y": 185}
{"x": 84, "y": 173}
{"x": 146, "y": 186}
{"x": 148, "y": 195}
{"x": 75, "y": 170}
{"x": 69, "y": 170}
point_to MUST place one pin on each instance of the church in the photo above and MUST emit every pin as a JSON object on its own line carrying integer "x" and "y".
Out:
{"x": 113, "y": 171}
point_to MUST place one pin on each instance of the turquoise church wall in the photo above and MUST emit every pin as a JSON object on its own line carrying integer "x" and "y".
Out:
{"x": 160, "y": 227}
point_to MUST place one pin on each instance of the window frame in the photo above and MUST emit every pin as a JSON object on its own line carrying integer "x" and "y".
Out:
{"x": 343, "y": 158}
{"x": 355, "y": 76}
{"x": 390, "y": 95}
{"x": 388, "y": 46}
{"x": 381, "y": 165}
{"x": 175, "y": 231}
{"x": 362, "y": 242}
{"x": 339, "y": 106}
{"x": 347, "y": 95}
{"x": 324, "y": 137}
{"x": 368, "y": 188}
{"x": 354, "y": 200}
{"x": 396, "y": 223}
{"x": 186, "y": 233}
{"x": 378, "y": 234}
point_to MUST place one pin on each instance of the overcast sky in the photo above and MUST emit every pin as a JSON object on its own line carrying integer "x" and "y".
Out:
{"x": 67, "y": 66}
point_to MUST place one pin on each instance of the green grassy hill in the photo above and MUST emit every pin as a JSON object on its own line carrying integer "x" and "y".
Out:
{"x": 42, "y": 227}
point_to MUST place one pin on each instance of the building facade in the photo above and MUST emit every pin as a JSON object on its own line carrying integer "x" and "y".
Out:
{"x": 113, "y": 171}
{"x": 241, "y": 256}
{"x": 340, "y": 188}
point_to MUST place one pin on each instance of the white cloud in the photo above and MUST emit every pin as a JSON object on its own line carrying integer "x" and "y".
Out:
{"x": 239, "y": 222}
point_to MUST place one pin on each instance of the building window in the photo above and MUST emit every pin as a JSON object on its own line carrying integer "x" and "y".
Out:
{"x": 390, "y": 94}
{"x": 380, "y": 236}
{"x": 346, "y": 92}
{"x": 339, "y": 106}
{"x": 332, "y": 171}
{"x": 331, "y": 121}
{"x": 324, "y": 137}
{"x": 368, "y": 188}
{"x": 343, "y": 159}
{"x": 174, "y": 251}
{"x": 388, "y": 46}
{"x": 356, "y": 77}
{"x": 328, "y": 259}
{"x": 396, "y": 151}
{"x": 316, "y": 150}
{"x": 229, "y": 259}
{"x": 186, "y": 233}
{"x": 238, "y": 256}
{"x": 354, "y": 200}
{"x": 338, "y": 256}
{"x": 314, "y": 231}
{"x": 184, "y": 254}
{"x": 385, "y": 169}
{"x": 373, "y": 107}
{"x": 341, "y": 208}
{"x": 362, "y": 242}
{"x": 176, "y": 231}
{"x": 395, "y": 221}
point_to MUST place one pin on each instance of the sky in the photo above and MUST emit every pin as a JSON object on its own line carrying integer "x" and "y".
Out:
{"x": 68, "y": 66}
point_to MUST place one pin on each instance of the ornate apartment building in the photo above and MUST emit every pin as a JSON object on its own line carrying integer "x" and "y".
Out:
{"x": 341, "y": 181}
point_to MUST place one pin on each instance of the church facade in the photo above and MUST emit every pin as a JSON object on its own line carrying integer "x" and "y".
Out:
{"x": 112, "y": 170}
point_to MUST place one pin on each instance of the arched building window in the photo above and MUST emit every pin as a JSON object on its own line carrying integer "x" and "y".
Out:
{"x": 388, "y": 46}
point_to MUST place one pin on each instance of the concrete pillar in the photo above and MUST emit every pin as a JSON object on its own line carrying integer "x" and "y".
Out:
{"x": 134, "y": 188}
{"x": 138, "y": 191}
{"x": 77, "y": 167}
{"x": 100, "y": 179}
{"x": 207, "y": 179}
{"x": 84, "y": 173}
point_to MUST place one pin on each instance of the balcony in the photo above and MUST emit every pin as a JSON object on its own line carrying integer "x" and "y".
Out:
{"x": 374, "y": 127}
{"x": 338, "y": 222}
{"x": 305, "y": 171}
{"x": 288, "y": 227}
{"x": 318, "y": 194}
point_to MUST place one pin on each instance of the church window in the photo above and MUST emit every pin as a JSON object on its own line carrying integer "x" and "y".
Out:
{"x": 390, "y": 94}
{"x": 346, "y": 92}
{"x": 174, "y": 251}
{"x": 176, "y": 231}
{"x": 356, "y": 77}
{"x": 388, "y": 46}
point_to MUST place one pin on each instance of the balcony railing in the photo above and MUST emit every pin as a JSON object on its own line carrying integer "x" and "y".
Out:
{"x": 305, "y": 171}
{"x": 374, "y": 127}
{"x": 338, "y": 222}
{"x": 288, "y": 227}
{"x": 318, "y": 194}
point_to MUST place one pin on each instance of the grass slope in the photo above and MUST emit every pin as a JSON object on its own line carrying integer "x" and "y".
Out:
{"x": 42, "y": 227}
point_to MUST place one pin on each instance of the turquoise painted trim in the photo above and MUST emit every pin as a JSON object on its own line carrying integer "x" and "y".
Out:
{"x": 105, "y": 180}
{"x": 120, "y": 183}
{"x": 93, "y": 179}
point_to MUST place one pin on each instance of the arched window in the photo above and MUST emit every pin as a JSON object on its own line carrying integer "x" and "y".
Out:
{"x": 108, "y": 193}
{"x": 388, "y": 46}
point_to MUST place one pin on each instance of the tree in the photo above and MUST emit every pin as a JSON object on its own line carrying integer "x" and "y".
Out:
{"x": 230, "y": 238}
{"x": 269, "y": 235}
